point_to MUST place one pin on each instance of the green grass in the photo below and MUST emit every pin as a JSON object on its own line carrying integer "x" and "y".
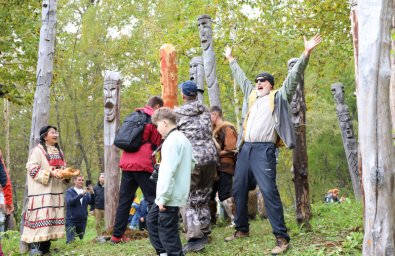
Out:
{"x": 336, "y": 230}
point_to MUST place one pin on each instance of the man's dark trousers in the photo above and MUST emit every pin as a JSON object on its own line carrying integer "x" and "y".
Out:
{"x": 163, "y": 230}
{"x": 73, "y": 229}
{"x": 258, "y": 160}
{"x": 130, "y": 181}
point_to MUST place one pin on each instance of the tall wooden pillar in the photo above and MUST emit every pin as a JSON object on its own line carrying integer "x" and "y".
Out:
{"x": 112, "y": 87}
{"x": 44, "y": 75}
{"x": 210, "y": 66}
{"x": 349, "y": 140}
{"x": 374, "y": 123}
{"x": 168, "y": 75}
{"x": 300, "y": 170}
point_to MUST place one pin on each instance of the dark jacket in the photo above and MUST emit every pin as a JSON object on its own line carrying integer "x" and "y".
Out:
{"x": 75, "y": 211}
{"x": 98, "y": 197}
{"x": 3, "y": 174}
{"x": 142, "y": 160}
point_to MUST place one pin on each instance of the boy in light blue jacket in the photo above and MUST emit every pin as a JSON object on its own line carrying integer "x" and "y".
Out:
{"x": 173, "y": 185}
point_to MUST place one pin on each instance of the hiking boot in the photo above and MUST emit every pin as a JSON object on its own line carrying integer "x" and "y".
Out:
{"x": 282, "y": 246}
{"x": 122, "y": 239}
{"x": 236, "y": 235}
{"x": 196, "y": 245}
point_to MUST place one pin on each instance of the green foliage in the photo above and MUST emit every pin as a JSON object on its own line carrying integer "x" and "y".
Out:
{"x": 125, "y": 36}
{"x": 336, "y": 230}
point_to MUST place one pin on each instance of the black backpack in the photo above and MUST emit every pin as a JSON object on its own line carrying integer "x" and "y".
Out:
{"x": 130, "y": 136}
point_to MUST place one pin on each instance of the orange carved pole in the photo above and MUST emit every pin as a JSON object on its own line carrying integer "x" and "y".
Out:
{"x": 168, "y": 74}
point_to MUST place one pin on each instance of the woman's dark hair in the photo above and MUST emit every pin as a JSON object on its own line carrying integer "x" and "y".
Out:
{"x": 43, "y": 132}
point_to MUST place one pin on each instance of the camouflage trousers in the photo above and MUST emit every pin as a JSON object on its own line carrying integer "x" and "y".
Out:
{"x": 197, "y": 212}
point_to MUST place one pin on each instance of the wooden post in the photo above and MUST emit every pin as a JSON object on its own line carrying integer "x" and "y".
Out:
{"x": 40, "y": 113}
{"x": 196, "y": 74}
{"x": 374, "y": 123}
{"x": 299, "y": 167}
{"x": 392, "y": 83}
{"x": 169, "y": 75}
{"x": 206, "y": 39}
{"x": 349, "y": 140}
{"x": 112, "y": 86}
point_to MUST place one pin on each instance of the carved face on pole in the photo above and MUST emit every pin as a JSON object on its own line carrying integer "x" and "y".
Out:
{"x": 196, "y": 71}
{"x": 338, "y": 92}
{"x": 110, "y": 99}
{"x": 205, "y": 31}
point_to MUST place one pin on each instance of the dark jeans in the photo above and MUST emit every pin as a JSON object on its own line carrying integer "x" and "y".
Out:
{"x": 223, "y": 186}
{"x": 259, "y": 161}
{"x": 163, "y": 230}
{"x": 74, "y": 228}
{"x": 130, "y": 181}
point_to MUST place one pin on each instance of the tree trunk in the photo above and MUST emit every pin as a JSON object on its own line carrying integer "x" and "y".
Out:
{"x": 40, "y": 114}
{"x": 374, "y": 122}
{"x": 349, "y": 141}
{"x": 169, "y": 75}
{"x": 300, "y": 170}
{"x": 112, "y": 87}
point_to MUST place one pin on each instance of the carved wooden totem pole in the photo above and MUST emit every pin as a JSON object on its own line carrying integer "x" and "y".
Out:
{"x": 349, "y": 141}
{"x": 112, "y": 84}
{"x": 300, "y": 170}
{"x": 168, "y": 75}
{"x": 206, "y": 39}
{"x": 196, "y": 74}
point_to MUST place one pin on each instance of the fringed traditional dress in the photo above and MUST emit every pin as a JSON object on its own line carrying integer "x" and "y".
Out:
{"x": 44, "y": 215}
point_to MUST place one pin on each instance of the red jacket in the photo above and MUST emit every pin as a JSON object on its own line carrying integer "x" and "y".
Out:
{"x": 142, "y": 160}
{"x": 7, "y": 190}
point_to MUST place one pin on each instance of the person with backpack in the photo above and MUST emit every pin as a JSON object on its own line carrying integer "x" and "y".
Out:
{"x": 137, "y": 167}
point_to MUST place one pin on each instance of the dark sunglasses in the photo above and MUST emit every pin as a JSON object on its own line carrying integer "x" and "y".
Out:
{"x": 262, "y": 80}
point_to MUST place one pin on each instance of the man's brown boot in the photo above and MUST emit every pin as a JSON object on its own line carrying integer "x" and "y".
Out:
{"x": 236, "y": 235}
{"x": 282, "y": 246}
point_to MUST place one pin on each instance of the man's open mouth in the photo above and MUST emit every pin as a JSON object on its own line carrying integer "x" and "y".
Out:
{"x": 260, "y": 87}
{"x": 109, "y": 104}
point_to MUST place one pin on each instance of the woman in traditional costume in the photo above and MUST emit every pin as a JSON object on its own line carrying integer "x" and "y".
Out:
{"x": 44, "y": 214}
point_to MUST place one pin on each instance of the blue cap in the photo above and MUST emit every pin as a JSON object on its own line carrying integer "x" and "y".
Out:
{"x": 188, "y": 88}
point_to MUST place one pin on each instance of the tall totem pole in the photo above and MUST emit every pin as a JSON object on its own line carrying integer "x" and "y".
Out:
{"x": 300, "y": 170}
{"x": 112, "y": 84}
{"x": 349, "y": 141}
{"x": 196, "y": 74}
{"x": 206, "y": 40}
{"x": 168, "y": 75}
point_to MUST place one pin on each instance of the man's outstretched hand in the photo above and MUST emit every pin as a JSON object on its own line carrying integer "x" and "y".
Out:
{"x": 311, "y": 44}
{"x": 228, "y": 53}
